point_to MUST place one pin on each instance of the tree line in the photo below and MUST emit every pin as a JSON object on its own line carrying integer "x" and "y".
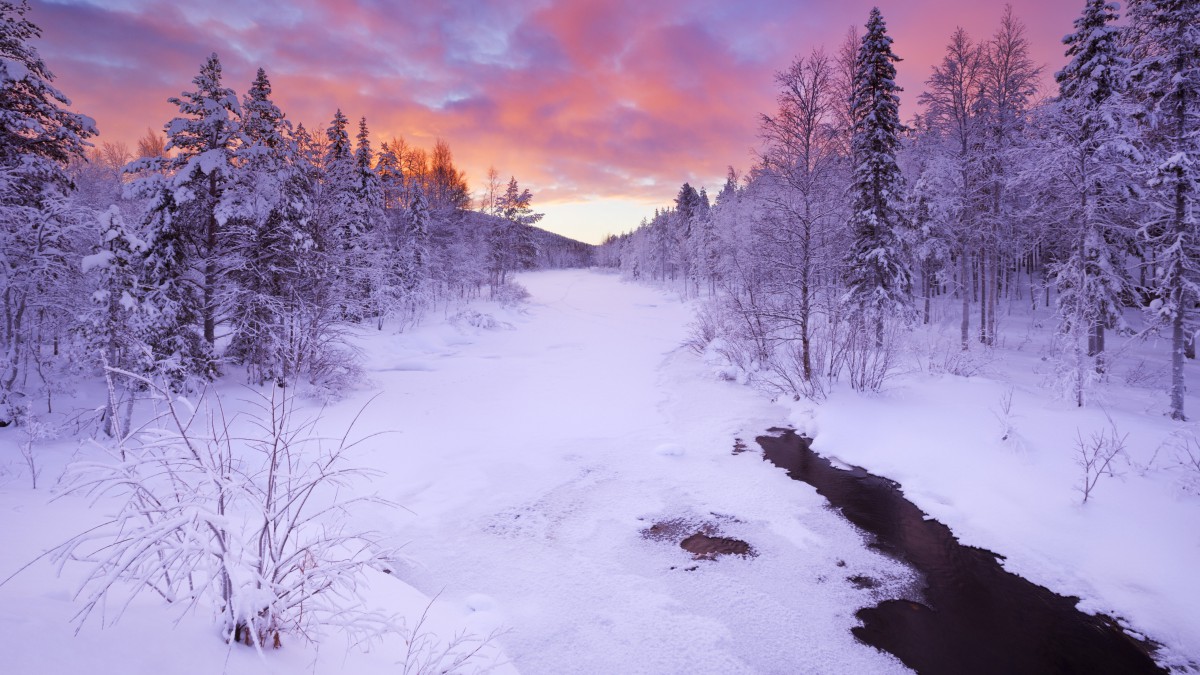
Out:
{"x": 852, "y": 225}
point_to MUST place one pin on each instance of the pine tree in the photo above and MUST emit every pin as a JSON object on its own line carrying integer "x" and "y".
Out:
{"x": 1093, "y": 175}
{"x": 38, "y": 229}
{"x": 343, "y": 229}
{"x": 191, "y": 204}
{"x": 272, "y": 251}
{"x": 205, "y": 139}
{"x": 172, "y": 302}
{"x": 1166, "y": 82}
{"x": 390, "y": 169}
{"x": 416, "y": 272}
{"x": 511, "y": 243}
{"x": 879, "y": 280}
{"x": 687, "y": 213}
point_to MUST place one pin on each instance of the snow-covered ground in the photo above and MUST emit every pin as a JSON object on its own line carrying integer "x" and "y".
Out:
{"x": 529, "y": 455}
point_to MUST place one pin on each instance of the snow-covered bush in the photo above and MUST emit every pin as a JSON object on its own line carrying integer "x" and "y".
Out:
{"x": 476, "y": 319}
{"x": 510, "y": 293}
{"x": 869, "y": 364}
{"x": 708, "y": 325}
{"x": 427, "y": 653}
{"x": 1096, "y": 454}
{"x": 1183, "y": 456}
{"x": 333, "y": 364}
{"x": 943, "y": 356}
{"x": 250, "y": 525}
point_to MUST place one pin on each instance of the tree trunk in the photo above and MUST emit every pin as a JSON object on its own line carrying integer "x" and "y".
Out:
{"x": 983, "y": 291}
{"x": 210, "y": 267}
{"x": 963, "y": 273}
{"x": 992, "y": 294}
{"x": 927, "y": 291}
{"x": 1177, "y": 348}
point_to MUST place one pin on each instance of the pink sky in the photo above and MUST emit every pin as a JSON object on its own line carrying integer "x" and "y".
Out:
{"x": 601, "y": 107}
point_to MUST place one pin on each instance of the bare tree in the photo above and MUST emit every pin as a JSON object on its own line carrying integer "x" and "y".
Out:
{"x": 491, "y": 192}
{"x": 152, "y": 145}
{"x": 802, "y": 159}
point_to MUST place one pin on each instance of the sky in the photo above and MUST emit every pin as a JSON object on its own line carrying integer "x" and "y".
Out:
{"x": 603, "y": 108}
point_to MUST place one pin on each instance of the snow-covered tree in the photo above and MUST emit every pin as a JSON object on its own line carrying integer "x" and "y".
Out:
{"x": 192, "y": 201}
{"x": 1166, "y": 85}
{"x": 112, "y": 326}
{"x": 803, "y": 166}
{"x": 40, "y": 232}
{"x": 272, "y": 255}
{"x": 1010, "y": 84}
{"x": 511, "y": 244}
{"x": 951, "y": 182}
{"x": 878, "y": 275}
{"x": 205, "y": 139}
{"x": 1092, "y": 167}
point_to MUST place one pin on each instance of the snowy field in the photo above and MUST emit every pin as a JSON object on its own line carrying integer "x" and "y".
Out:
{"x": 528, "y": 454}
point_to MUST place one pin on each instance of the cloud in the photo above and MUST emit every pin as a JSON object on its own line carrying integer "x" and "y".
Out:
{"x": 587, "y": 100}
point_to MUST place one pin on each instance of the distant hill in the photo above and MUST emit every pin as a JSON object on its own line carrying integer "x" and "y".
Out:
{"x": 556, "y": 251}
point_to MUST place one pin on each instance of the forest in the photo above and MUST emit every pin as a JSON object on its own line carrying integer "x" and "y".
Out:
{"x": 997, "y": 194}
{"x": 231, "y": 240}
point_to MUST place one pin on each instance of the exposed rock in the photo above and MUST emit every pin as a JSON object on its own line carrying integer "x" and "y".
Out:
{"x": 705, "y": 547}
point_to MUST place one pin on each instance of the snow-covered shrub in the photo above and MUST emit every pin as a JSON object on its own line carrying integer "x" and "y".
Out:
{"x": 1096, "y": 454}
{"x": 476, "y": 319}
{"x": 34, "y": 430}
{"x": 333, "y": 370}
{"x": 249, "y": 523}
{"x": 1183, "y": 456}
{"x": 787, "y": 371}
{"x": 868, "y": 364}
{"x": 944, "y": 356}
{"x": 1006, "y": 417}
{"x": 427, "y": 653}
{"x": 510, "y": 293}
{"x": 1146, "y": 375}
{"x": 708, "y": 326}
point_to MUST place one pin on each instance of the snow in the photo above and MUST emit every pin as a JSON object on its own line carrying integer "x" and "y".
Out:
{"x": 527, "y": 453}
{"x": 96, "y": 260}
{"x": 528, "y": 447}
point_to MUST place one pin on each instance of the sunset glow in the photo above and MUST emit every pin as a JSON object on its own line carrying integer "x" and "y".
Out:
{"x": 601, "y": 107}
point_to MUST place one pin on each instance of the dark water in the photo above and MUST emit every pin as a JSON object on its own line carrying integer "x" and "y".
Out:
{"x": 975, "y": 618}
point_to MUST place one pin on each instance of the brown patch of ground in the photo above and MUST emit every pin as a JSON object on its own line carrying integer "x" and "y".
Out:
{"x": 700, "y": 538}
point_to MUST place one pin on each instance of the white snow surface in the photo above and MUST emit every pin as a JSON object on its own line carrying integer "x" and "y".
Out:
{"x": 529, "y": 452}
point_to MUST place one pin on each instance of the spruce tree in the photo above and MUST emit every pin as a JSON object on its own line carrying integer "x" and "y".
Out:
{"x": 205, "y": 139}
{"x": 186, "y": 239}
{"x": 878, "y": 279}
{"x": 271, "y": 255}
{"x": 1166, "y": 83}
{"x": 512, "y": 246}
{"x": 1093, "y": 175}
{"x": 39, "y": 233}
